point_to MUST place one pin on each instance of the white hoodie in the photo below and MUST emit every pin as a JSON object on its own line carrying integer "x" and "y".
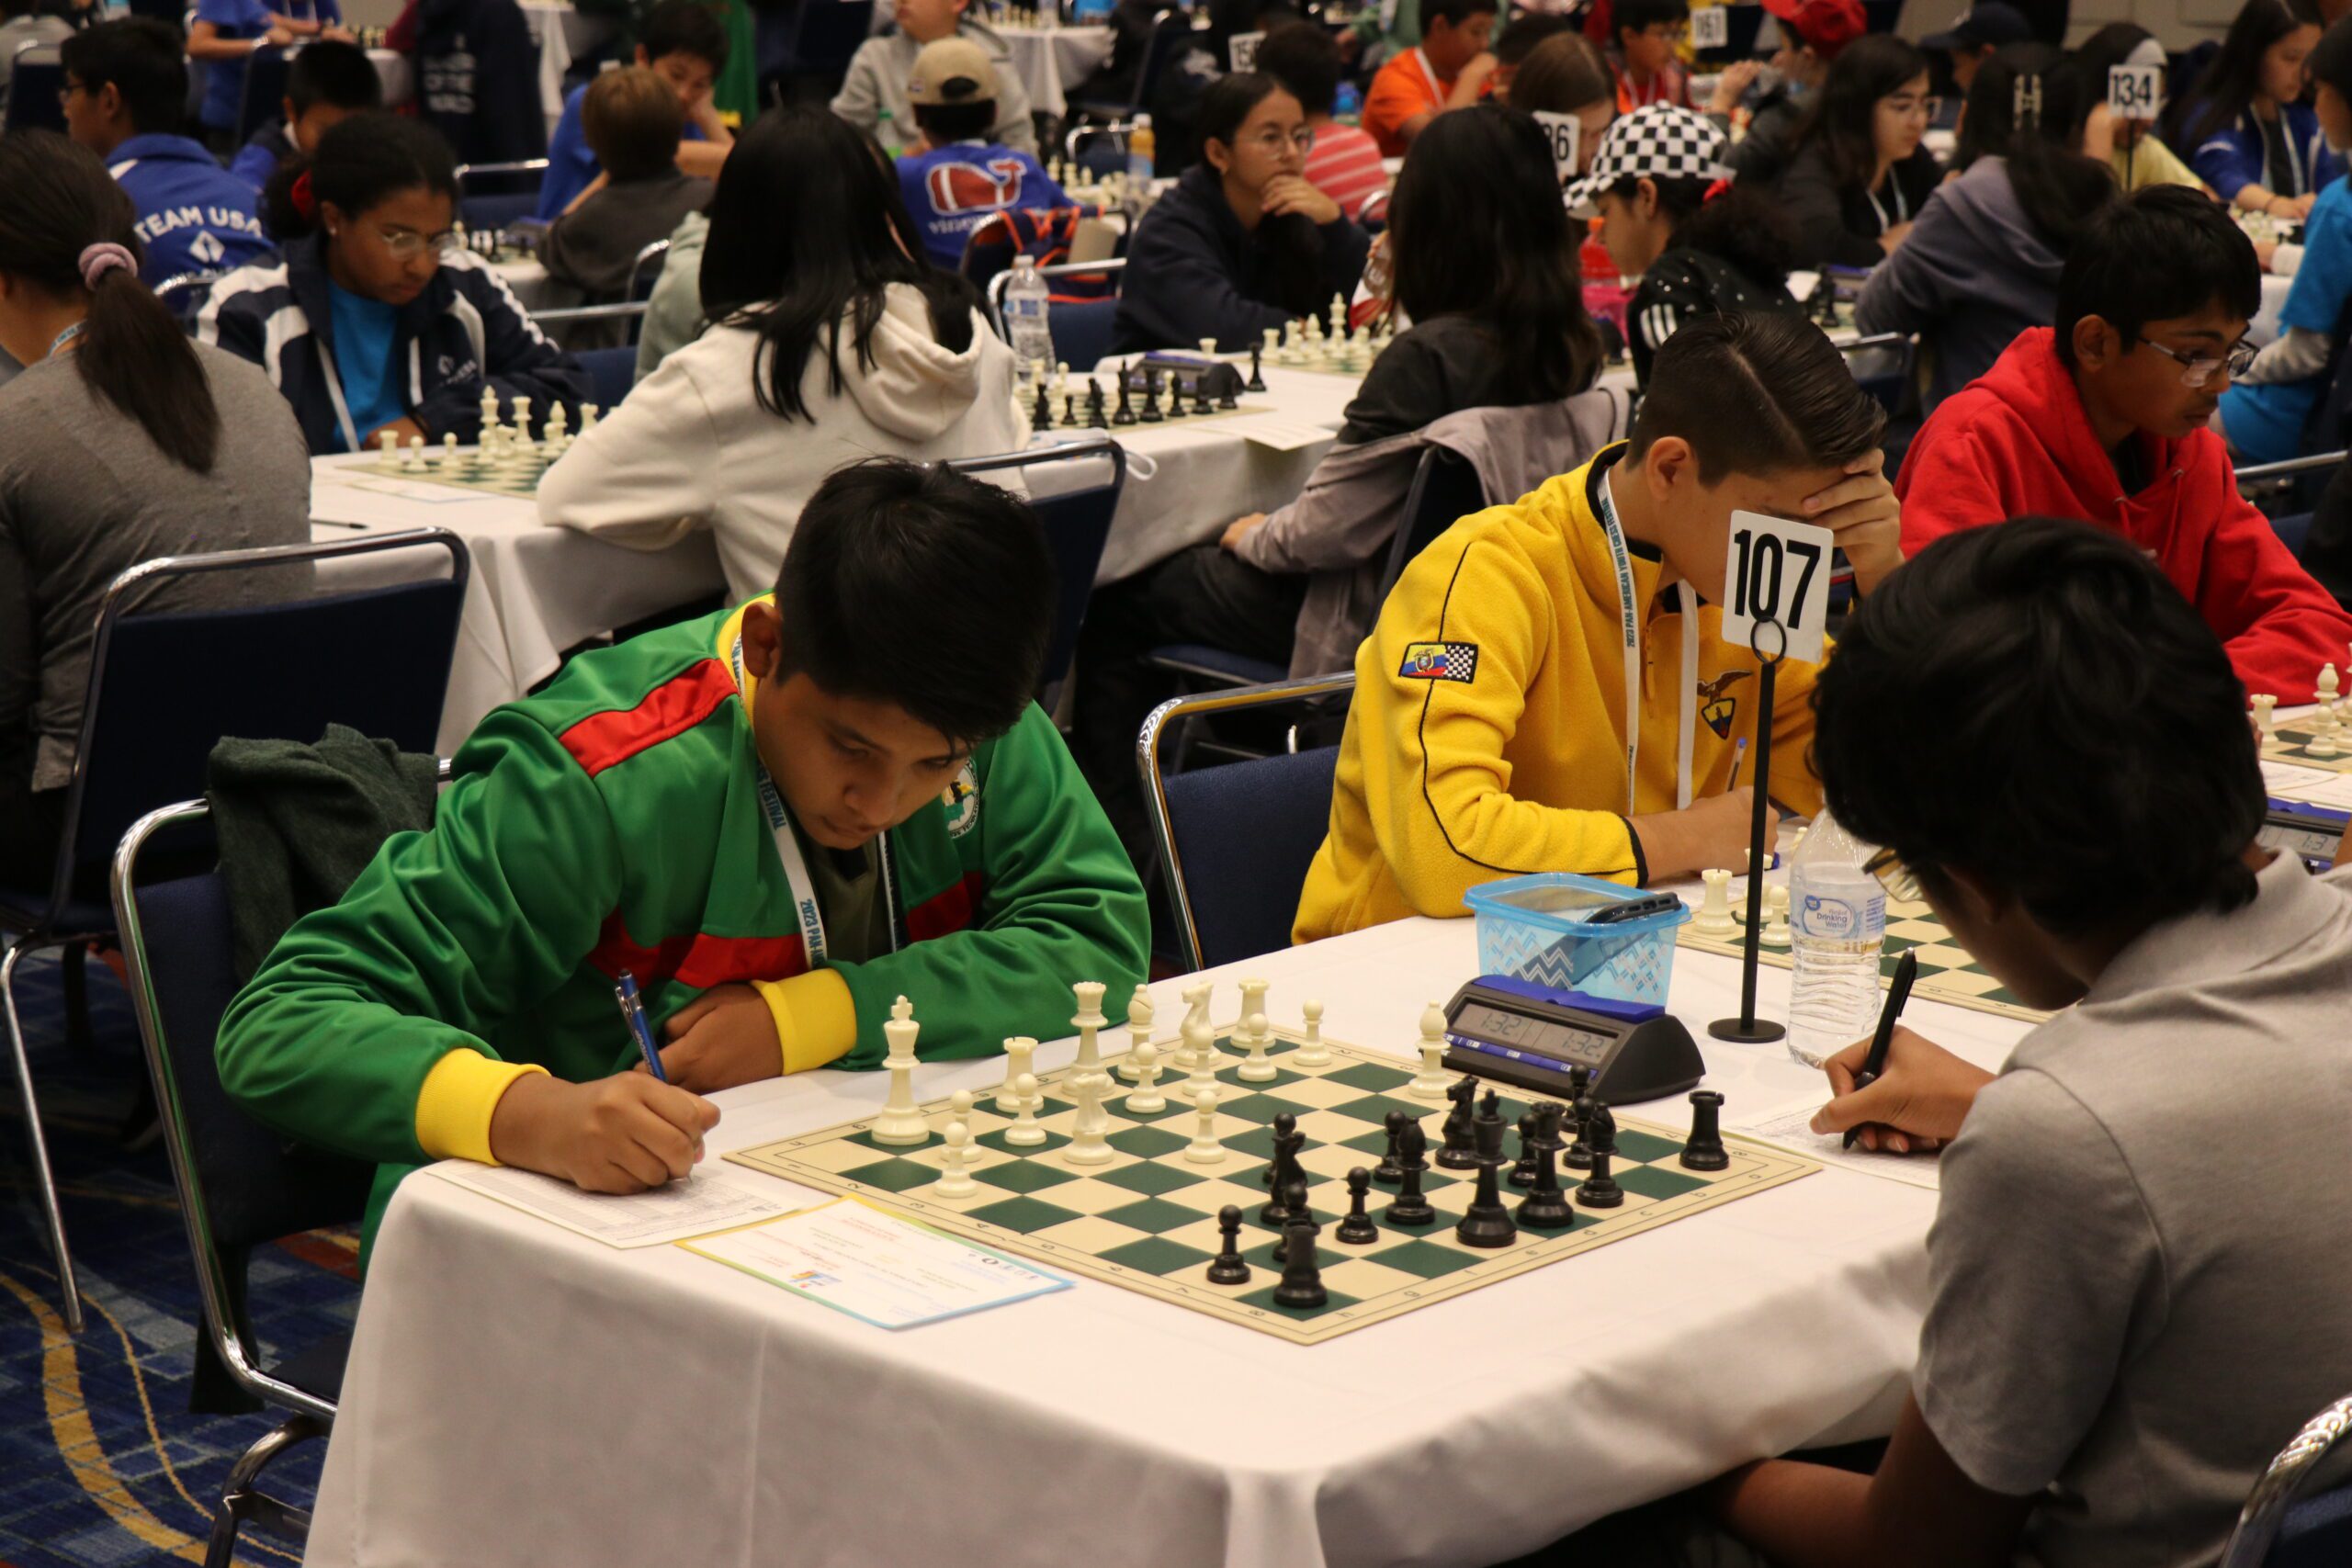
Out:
{"x": 692, "y": 447}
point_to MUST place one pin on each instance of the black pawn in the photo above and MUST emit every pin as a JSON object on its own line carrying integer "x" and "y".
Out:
{"x": 1546, "y": 1208}
{"x": 1126, "y": 413}
{"x": 1705, "y": 1150}
{"x": 1069, "y": 411}
{"x": 1226, "y": 1268}
{"x": 1358, "y": 1228}
{"x": 1042, "y": 416}
{"x": 1201, "y": 403}
{"x": 1487, "y": 1222}
{"x": 1389, "y": 1173}
{"x": 1257, "y": 372}
{"x": 1524, "y": 1173}
{"x": 1302, "y": 1281}
{"x": 1295, "y": 1202}
{"x": 1228, "y": 400}
{"x": 1151, "y": 414}
{"x": 1579, "y": 1154}
{"x": 1459, "y": 1153}
{"x": 1094, "y": 420}
{"x": 1599, "y": 1190}
{"x": 1411, "y": 1209}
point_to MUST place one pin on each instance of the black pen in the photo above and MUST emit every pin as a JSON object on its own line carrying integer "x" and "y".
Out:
{"x": 1906, "y": 969}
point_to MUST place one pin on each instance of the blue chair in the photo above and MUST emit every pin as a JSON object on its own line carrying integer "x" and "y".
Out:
{"x": 2287, "y": 491}
{"x": 493, "y": 196}
{"x": 825, "y": 35}
{"x": 1081, "y": 329}
{"x": 156, "y": 704}
{"x": 1113, "y": 268}
{"x": 611, "y": 373}
{"x": 262, "y": 96}
{"x": 1170, "y": 31}
{"x": 34, "y": 84}
{"x": 2279, "y": 1527}
{"x": 1235, "y": 893}
{"x": 1075, "y": 522}
{"x": 1882, "y": 365}
{"x": 241, "y": 1185}
{"x": 1445, "y": 488}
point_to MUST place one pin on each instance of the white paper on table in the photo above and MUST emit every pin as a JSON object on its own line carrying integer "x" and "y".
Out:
{"x": 713, "y": 1199}
{"x": 2317, "y": 786}
{"x": 876, "y": 1266}
{"x": 1789, "y": 1126}
{"x": 1278, "y": 434}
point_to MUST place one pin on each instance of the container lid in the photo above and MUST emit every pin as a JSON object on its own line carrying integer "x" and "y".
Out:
{"x": 1564, "y": 901}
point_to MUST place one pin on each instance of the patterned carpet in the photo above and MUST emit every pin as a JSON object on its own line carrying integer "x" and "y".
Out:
{"x": 100, "y": 1462}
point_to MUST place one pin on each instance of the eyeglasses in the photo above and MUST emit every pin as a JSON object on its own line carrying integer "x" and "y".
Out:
{"x": 405, "y": 243}
{"x": 1894, "y": 876}
{"x": 2197, "y": 370}
{"x": 65, "y": 94}
{"x": 1274, "y": 141}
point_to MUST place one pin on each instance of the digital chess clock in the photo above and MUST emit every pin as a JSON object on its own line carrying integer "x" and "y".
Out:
{"x": 2302, "y": 829}
{"x": 1531, "y": 1036}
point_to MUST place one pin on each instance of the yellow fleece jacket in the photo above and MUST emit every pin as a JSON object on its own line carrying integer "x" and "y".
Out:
{"x": 1486, "y": 738}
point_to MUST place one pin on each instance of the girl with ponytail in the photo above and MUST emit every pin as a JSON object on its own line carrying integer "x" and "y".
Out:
{"x": 121, "y": 442}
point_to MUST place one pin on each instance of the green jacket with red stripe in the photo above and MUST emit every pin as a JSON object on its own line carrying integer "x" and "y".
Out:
{"x": 614, "y": 822}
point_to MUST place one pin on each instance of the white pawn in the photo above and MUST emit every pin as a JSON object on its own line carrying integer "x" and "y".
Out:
{"x": 1025, "y": 1132}
{"x": 449, "y": 450}
{"x": 1143, "y": 1099}
{"x": 1314, "y": 1053}
{"x": 1270, "y": 350}
{"x": 1714, "y": 917}
{"x": 956, "y": 1182}
{"x": 588, "y": 413}
{"x": 1776, "y": 916}
{"x": 1258, "y": 1069}
{"x": 1061, "y": 380}
{"x": 1202, "y": 1054}
{"x": 388, "y": 452}
{"x": 2264, "y": 705}
{"x": 1430, "y": 1082}
{"x": 558, "y": 423}
{"x": 1139, "y": 1016}
{"x": 960, "y": 1106}
{"x": 1019, "y": 1053}
{"x": 1208, "y": 348}
{"x": 1204, "y": 1149}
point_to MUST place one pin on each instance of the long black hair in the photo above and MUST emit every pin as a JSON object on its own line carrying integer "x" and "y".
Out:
{"x": 1290, "y": 241}
{"x": 2230, "y": 82}
{"x": 807, "y": 225}
{"x": 57, "y": 201}
{"x": 358, "y": 162}
{"x": 1739, "y": 225}
{"x": 2027, "y": 107}
{"x": 1845, "y": 118}
{"x": 1477, "y": 229}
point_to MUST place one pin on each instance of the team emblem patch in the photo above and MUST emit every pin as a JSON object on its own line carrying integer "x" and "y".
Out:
{"x": 962, "y": 798}
{"x": 1441, "y": 661}
{"x": 1716, "y": 708}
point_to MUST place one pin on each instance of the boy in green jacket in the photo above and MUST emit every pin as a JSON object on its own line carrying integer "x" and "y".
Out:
{"x": 779, "y": 819}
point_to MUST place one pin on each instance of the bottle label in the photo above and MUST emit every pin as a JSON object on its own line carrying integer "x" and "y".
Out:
{"x": 1833, "y": 919}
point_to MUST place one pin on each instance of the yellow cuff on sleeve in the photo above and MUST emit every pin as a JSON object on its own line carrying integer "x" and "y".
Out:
{"x": 816, "y": 1023}
{"x": 453, "y": 1108}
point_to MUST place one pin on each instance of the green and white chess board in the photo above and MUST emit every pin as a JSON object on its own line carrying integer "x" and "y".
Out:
{"x": 1947, "y": 973}
{"x": 2292, "y": 738}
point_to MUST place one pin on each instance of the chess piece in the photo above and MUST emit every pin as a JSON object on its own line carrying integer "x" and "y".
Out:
{"x": 1339, "y": 318}
{"x": 559, "y": 418}
{"x": 1259, "y": 353}
{"x": 413, "y": 458}
{"x": 1208, "y": 347}
{"x": 956, "y": 1182}
{"x": 1412, "y": 1210}
{"x": 1599, "y": 1190}
{"x": 1430, "y": 1082}
{"x": 1302, "y": 1282}
{"x": 1294, "y": 1202}
{"x": 1314, "y": 1053}
{"x": 388, "y": 452}
{"x": 1579, "y": 1154}
{"x": 959, "y": 1107}
{"x": 1088, "y": 1145}
{"x": 1094, "y": 420}
{"x": 1061, "y": 378}
{"x": 2327, "y": 686}
{"x": 1069, "y": 411}
{"x": 588, "y": 413}
{"x": 1090, "y": 1018}
{"x": 1227, "y": 1269}
{"x": 1459, "y": 1153}
{"x": 1284, "y": 1171}
{"x": 1143, "y": 1099}
{"x": 522, "y": 419}
{"x": 1524, "y": 1173}
{"x": 1776, "y": 917}
{"x": 1705, "y": 1150}
{"x": 1389, "y": 1173}
{"x": 1253, "y": 1010}
{"x": 1259, "y": 1067}
{"x": 1201, "y": 403}
{"x": 1150, "y": 415}
{"x": 1546, "y": 1208}
{"x": 1126, "y": 414}
{"x": 449, "y": 450}
{"x": 488, "y": 413}
{"x": 1487, "y": 1222}
{"x": 1139, "y": 1016}
{"x": 1025, "y": 1131}
{"x": 1714, "y": 917}
{"x": 901, "y": 1121}
{"x": 1357, "y": 1229}
{"x": 1019, "y": 1051}
{"x": 2264, "y": 705}
{"x": 1205, "y": 1148}
{"x": 1041, "y": 412}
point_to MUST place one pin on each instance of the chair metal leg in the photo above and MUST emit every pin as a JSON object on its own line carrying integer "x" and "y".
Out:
{"x": 77, "y": 996}
{"x": 44, "y": 1179}
{"x": 240, "y": 1501}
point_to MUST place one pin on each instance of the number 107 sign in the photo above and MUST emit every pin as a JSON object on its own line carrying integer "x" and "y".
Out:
{"x": 1777, "y": 570}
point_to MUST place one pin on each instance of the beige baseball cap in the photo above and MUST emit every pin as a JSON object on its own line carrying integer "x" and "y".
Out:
{"x": 951, "y": 71}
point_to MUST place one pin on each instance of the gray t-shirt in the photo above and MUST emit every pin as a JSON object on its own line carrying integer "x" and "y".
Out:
{"x": 2143, "y": 1246}
{"x": 85, "y": 495}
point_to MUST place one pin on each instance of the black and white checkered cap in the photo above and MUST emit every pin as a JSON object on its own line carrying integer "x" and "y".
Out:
{"x": 1658, "y": 142}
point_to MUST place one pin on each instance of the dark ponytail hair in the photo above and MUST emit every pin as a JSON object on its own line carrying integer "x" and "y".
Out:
{"x": 2027, "y": 105}
{"x": 360, "y": 161}
{"x": 58, "y": 204}
{"x": 2230, "y": 82}
{"x": 1740, "y": 226}
{"x": 1291, "y": 241}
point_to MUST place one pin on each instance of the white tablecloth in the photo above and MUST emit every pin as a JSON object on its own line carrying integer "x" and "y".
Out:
{"x": 395, "y": 75}
{"x": 1050, "y": 61}
{"x": 528, "y": 279}
{"x": 2265, "y": 326}
{"x": 520, "y": 1395}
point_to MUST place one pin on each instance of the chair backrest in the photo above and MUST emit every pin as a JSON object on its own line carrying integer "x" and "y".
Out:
{"x": 1046, "y": 235}
{"x": 241, "y": 1185}
{"x": 1446, "y": 487}
{"x": 1372, "y": 210}
{"x": 493, "y": 196}
{"x": 1081, "y": 331}
{"x": 34, "y": 82}
{"x": 1236, "y": 893}
{"x": 2291, "y": 486}
{"x": 630, "y": 311}
{"x": 2279, "y": 1526}
{"x": 646, "y": 270}
{"x": 183, "y": 293}
{"x": 1113, "y": 272}
{"x": 263, "y": 94}
{"x": 1077, "y": 520}
{"x": 611, "y": 373}
{"x": 1881, "y": 366}
{"x": 1171, "y": 32}
{"x": 830, "y": 32}
{"x": 164, "y": 688}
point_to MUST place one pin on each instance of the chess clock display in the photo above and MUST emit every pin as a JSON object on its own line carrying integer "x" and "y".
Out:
{"x": 1534, "y": 1037}
{"x": 2300, "y": 827}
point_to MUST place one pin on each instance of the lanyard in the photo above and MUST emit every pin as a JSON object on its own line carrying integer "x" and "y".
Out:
{"x": 1686, "y": 716}
{"x": 62, "y": 339}
{"x": 1902, "y": 207}
{"x": 1430, "y": 76}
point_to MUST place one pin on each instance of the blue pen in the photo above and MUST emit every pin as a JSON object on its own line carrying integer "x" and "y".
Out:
{"x": 1738, "y": 755}
{"x": 633, "y": 1014}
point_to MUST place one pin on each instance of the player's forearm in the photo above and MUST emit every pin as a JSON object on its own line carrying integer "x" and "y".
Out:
{"x": 704, "y": 158}
{"x": 1800, "y": 1516}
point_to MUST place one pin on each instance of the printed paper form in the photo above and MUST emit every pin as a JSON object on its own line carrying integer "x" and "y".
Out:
{"x": 712, "y": 1198}
{"x": 1789, "y": 1126}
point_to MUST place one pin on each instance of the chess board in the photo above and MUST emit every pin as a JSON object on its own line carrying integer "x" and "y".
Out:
{"x": 1146, "y": 1220}
{"x": 469, "y": 471}
{"x": 2293, "y": 735}
{"x": 1947, "y": 973}
{"x": 1166, "y": 420}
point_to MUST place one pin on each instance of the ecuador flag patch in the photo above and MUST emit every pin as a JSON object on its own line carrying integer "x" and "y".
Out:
{"x": 1441, "y": 661}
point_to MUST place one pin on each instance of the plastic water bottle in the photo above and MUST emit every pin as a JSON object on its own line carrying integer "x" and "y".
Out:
{"x": 1347, "y": 104}
{"x": 1026, "y": 304}
{"x": 1838, "y": 924}
{"x": 886, "y": 131}
{"x": 1143, "y": 147}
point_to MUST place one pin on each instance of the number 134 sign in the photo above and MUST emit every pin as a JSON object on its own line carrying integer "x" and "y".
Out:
{"x": 1777, "y": 570}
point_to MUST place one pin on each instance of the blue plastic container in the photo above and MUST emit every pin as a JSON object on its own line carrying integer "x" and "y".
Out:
{"x": 1538, "y": 928}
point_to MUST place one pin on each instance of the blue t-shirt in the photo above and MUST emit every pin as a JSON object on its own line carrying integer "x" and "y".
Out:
{"x": 224, "y": 80}
{"x": 2266, "y": 423}
{"x": 953, "y": 190}
{"x": 571, "y": 166}
{"x": 363, "y": 359}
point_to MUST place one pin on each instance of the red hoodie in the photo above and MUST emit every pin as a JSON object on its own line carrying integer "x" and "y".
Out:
{"x": 2017, "y": 443}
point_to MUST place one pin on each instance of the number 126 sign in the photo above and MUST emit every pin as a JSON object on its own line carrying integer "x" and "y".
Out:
{"x": 1777, "y": 569}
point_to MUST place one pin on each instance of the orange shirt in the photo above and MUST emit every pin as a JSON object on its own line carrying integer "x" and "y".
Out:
{"x": 1405, "y": 87}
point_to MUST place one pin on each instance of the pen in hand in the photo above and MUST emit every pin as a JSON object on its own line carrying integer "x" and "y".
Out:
{"x": 633, "y": 1015}
{"x": 1906, "y": 969}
